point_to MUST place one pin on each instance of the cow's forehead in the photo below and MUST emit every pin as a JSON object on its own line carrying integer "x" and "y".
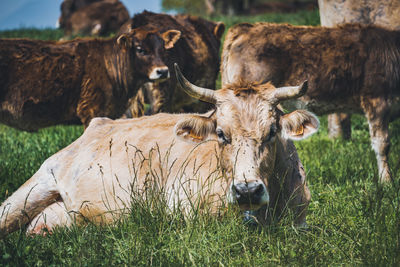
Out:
{"x": 250, "y": 112}
{"x": 142, "y": 34}
{"x": 247, "y": 99}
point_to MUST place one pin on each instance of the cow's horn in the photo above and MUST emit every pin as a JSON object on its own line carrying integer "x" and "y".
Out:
{"x": 204, "y": 94}
{"x": 289, "y": 92}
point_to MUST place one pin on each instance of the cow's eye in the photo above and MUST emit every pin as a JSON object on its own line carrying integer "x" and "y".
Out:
{"x": 221, "y": 136}
{"x": 272, "y": 133}
{"x": 140, "y": 50}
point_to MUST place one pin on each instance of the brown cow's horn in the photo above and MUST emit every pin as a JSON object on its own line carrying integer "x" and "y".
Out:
{"x": 203, "y": 94}
{"x": 285, "y": 93}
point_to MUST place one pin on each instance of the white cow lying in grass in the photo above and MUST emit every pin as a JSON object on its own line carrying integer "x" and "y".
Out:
{"x": 241, "y": 151}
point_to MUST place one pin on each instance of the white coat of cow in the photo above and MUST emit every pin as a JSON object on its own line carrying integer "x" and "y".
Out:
{"x": 240, "y": 151}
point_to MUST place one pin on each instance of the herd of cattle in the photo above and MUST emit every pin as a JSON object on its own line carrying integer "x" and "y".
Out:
{"x": 240, "y": 150}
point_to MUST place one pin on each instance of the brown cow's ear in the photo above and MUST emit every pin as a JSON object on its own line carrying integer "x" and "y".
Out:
{"x": 170, "y": 38}
{"x": 96, "y": 29}
{"x": 298, "y": 125}
{"x": 219, "y": 30}
{"x": 195, "y": 128}
{"x": 123, "y": 40}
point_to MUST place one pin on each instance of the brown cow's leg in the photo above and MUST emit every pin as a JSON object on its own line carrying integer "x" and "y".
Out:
{"x": 160, "y": 97}
{"x": 377, "y": 113}
{"x": 136, "y": 105}
{"x": 149, "y": 92}
{"x": 339, "y": 125}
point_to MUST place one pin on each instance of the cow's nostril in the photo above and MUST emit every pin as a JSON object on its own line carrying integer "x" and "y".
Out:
{"x": 240, "y": 189}
{"x": 163, "y": 73}
{"x": 237, "y": 191}
{"x": 248, "y": 193}
{"x": 259, "y": 190}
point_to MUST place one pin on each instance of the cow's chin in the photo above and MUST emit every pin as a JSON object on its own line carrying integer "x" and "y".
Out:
{"x": 157, "y": 81}
{"x": 251, "y": 207}
{"x": 264, "y": 201}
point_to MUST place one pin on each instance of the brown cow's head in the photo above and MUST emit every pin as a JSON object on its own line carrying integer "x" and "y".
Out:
{"x": 252, "y": 133}
{"x": 148, "y": 49}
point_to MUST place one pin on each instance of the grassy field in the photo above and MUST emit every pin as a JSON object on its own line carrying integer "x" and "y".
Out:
{"x": 353, "y": 220}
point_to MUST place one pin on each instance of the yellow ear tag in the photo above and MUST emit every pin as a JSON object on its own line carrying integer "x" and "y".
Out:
{"x": 300, "y": 130}
{"x": 196, "y": 137}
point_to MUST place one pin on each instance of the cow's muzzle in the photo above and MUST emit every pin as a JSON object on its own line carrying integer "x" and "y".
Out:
{"x": 159, "y": 73}
{"x": 250, "y": 196}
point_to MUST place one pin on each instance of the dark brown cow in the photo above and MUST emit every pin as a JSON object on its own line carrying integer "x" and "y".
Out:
{"x": 197, "y": 51}
{"x": 385, "y": 13}
{"x": 70, "y": 6}
{"x": 44, "y": 83}
{"x": 98, "y": 18}
{"x": 350, "y": 68}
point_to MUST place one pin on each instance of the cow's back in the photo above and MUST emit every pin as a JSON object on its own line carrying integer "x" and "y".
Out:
{"x": 93, "y": 20}
{"x": 39, "y": 80}
{"x": 339, "y": 62}
{"x": 385, "y": 13}
{"x": 125, "y": 157}
{"x": 70, "y": 6}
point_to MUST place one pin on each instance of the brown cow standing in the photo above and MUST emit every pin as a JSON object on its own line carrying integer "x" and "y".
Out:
{"x": 93, "y": 17}
{"x": 197, "y": 51}
{"x": 385, "y": 13}
{"x": 43, "y": 83}
{"x": 351, "y": 68}
{"x": 240, "y": 152}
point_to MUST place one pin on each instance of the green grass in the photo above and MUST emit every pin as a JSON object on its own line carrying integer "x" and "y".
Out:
{"x": 299, "y": 18}
{"x": 41, "y": 34}
{"x": 353, "y": 220}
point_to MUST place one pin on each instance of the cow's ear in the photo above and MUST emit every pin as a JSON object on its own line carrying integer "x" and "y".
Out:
{"x": 219, "y": 30}
{"x": 123, "y": 40}
{"x": 96, "y": 29}
{"x": 298, "y": 125}
{"x": 170, "y": 38}
{"x": 195, "y": 128}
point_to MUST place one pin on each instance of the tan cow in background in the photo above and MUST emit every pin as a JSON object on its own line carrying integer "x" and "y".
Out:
{"x": 241, "y": 150}
{"x": 351, "y": 68}
{"x": 385, "y": 13}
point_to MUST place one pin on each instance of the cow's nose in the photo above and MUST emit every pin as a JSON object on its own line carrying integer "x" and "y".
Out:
{"x": 163, "y": 73}
{"x": 159, "y": 73}
{"x": 252, "y": 193}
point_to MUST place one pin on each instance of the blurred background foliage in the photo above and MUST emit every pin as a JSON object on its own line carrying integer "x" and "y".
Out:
{"x": 236, "y": 7}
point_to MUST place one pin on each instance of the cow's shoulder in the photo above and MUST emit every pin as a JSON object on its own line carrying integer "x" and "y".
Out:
{"x": 98, "y": 122}
{"x": 238, "y": 29}
{"x": 205, "y": 28}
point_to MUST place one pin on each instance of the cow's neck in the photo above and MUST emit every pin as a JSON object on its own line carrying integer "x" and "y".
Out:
{"x": 119, "y": 69}
{"x": 286, "y": 159}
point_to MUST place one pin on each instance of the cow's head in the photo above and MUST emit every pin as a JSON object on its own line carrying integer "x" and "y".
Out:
{"x": 252, "y": 133}
{"x": 147, "y": 49}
